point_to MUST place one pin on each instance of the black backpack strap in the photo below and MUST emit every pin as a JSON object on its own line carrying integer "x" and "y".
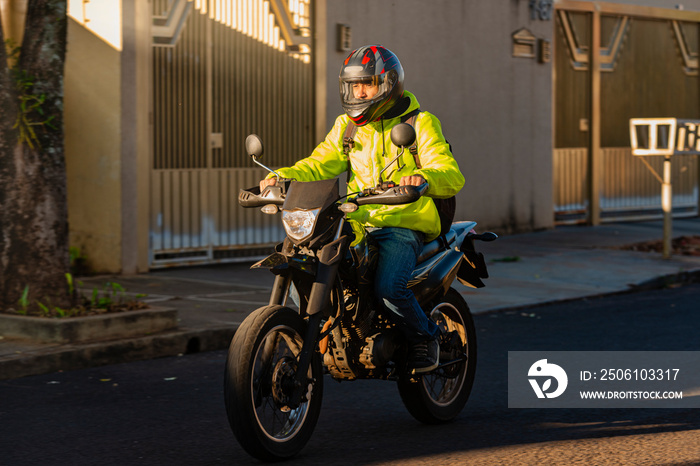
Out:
{"x": 349, "y": 137}
{"x": 445, "y": 207}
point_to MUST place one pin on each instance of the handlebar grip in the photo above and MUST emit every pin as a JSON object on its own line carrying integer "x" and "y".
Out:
{"x": 394, "y": 196}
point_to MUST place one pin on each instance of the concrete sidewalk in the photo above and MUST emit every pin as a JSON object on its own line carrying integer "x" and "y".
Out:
{"x": 525, "y": 270}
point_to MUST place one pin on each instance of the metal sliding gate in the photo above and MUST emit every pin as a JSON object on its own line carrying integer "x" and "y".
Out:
{"x": 647, "y": 66}
{"x": 629, "y": 190}
{"x": 223, "y": 69}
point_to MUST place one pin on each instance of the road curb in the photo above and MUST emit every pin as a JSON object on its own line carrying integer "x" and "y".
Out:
{"x": 658, "y": 283}
{"x": 109, "y": 326}
{"x": 73, "y": 357}
{"x": 664, "y": 281}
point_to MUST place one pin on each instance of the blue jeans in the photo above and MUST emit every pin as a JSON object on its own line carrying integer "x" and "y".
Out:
{"x": 399, "y": 249}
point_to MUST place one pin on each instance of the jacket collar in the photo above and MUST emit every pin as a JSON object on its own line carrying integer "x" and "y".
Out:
{"x": 388, "y": 123}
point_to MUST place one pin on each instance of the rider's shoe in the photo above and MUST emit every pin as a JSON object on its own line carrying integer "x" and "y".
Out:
{"x": 424, "y": 356}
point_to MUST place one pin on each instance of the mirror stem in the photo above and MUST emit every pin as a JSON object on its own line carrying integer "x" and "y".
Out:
{"x": 389, "y": 164}
{"x": 255, "y": 159}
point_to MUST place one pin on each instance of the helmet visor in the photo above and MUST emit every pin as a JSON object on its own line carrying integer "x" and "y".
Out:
{"x": 360, "y": 91}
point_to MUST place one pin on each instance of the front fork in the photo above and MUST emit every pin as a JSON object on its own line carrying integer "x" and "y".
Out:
{"x": 329, "y": 258}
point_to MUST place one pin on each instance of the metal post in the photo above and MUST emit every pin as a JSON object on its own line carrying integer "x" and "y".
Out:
{"x": 666, "y": 204}
{"x": 595, "y": 153}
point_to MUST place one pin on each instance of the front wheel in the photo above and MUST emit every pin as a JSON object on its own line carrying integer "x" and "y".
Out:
{"x": 440, "y": 395}
{"x": 259, "y": 380}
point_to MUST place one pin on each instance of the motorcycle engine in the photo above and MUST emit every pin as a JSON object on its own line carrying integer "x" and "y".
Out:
{"x": 363, "y": 341}
{"x": 379, "y": 349}
{"x": 357, "y": 320}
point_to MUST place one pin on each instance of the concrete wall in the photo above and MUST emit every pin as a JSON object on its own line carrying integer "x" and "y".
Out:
{"x": 93, "y": 147}
{"x": 495, "y": 109}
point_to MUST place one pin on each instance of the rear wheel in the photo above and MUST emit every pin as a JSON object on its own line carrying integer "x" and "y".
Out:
{"x": 440, "y": 395}
{"x": 259, "y": 380}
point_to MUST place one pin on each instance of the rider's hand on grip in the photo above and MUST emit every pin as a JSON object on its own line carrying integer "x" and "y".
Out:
{"x": 267, "y": 182}
{"x": 413, "y": 180}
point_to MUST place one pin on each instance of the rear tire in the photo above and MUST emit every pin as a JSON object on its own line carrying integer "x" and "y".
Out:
{"x": 440, "y": 395}
{"x": 260, "y": 366}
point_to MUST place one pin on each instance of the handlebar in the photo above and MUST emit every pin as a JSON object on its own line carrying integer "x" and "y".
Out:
{"x": 387, "y": 194}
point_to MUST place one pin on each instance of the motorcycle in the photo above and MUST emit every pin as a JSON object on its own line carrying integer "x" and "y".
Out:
{"x": 278, "y": 357}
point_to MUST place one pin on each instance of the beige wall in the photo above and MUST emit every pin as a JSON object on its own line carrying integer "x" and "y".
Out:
{"x": 107, "y": 134}
{"x": 93, "y": 147}
{"x": 495, "y": 109}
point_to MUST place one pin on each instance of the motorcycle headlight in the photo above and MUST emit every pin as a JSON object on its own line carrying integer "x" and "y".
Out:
{"x": 299, "y": 224}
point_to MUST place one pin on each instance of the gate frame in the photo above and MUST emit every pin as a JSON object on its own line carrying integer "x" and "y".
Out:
{"x": 318, "y": 130}
{"x": 136, "y": 90}
{"x": 596, "y": 8}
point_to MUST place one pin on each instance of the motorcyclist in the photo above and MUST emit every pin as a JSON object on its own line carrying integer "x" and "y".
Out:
{"x": 374, "y": 99}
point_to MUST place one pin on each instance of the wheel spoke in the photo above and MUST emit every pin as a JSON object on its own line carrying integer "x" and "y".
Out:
{"x": 274, "y": 367}
{"x": 443, "y": 385}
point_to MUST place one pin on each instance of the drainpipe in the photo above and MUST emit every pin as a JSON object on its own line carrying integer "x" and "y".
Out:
{"x": 13, "y": 14}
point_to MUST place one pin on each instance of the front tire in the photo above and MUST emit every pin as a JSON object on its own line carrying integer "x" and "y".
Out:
{"x": 258, "y": 379}
{"x": 440, "y": 395}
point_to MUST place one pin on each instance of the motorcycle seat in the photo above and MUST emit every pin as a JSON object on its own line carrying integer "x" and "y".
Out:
{"x": 437, "y": 245}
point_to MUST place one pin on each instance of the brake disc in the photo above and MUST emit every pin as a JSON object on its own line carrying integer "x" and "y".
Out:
{"x": 283, "y": 382}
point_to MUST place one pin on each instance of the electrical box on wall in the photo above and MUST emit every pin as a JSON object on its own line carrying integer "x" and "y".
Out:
{"x": 545, "y": 51}
{"x": 344, "y": 38}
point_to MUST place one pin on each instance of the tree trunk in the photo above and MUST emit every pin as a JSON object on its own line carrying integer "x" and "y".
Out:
{"x": 33, "y": 205}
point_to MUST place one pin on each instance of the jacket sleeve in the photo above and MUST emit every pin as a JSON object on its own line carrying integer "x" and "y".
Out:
{"x": 325, "y": 162}
{"x": 438, "y": 166}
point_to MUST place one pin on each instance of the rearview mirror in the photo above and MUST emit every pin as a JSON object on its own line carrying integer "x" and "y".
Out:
{"x": 254, "y": 146}
{"x": 403, "y": 135}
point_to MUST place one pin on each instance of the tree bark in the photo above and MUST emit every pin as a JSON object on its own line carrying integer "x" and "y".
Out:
{"x": 33, "y": 203}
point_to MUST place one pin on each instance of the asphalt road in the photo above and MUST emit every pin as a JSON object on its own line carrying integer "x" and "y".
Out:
{"x": 170, "y": 411}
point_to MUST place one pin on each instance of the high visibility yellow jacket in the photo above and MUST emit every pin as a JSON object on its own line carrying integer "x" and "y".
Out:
{"x": 371, "y": 152}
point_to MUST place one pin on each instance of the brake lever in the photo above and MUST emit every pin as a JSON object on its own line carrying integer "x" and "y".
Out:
{"x": 381, "y": 188}
{"x": 282, "y": 184}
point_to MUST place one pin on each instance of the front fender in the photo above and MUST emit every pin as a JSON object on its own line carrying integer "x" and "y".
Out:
{"x": 279, "y": 264}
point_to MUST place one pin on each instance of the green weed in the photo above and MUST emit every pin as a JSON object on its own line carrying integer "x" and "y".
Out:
{"x": 31, "y": 110}
{"x": 24, "y": 301}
